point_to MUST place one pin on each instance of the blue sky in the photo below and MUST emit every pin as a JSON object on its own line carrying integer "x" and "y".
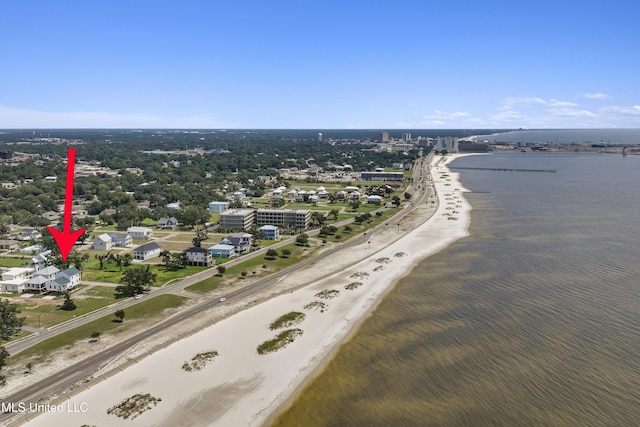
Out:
{"x": 329, "y": 64}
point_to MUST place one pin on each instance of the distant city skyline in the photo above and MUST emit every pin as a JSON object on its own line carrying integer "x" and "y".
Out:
{"x": 324, "y": 65}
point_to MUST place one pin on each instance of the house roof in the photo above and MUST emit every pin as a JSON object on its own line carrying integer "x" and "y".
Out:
{"x": 147, "y": 247}
{"x": 37, "y": 280}
{"x": 47, "y": 271}
{"x": 138, "y": 229}
{"x": 194, "y": 250}
{"x": 119, "y": 236}
{"x": 172, "y": 219}
{"x": 222, "y": 247}
{"x": 72, "y": 271}
{"x": 62, "y": 280}
{"x": 268, "y": 227}
{"x": 104, "y": 238}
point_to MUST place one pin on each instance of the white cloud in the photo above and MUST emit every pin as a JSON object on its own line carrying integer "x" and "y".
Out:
{"x": 626, "y": 111}
{"x": 556, "y": 103}
{"x": 15, "y": 118}
{"x": 597, "y": 96}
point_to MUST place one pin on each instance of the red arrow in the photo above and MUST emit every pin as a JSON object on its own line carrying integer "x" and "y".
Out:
{"x": 67, "y": 238}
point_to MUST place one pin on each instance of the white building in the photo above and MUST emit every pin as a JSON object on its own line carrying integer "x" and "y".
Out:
{"x": 147, "y": 251}
{"x": 199, "y": 257}
{"x": 140, "y": 233}
{"x": 102, "y": 242}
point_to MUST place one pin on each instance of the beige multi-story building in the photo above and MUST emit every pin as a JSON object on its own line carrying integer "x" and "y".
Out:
{"x": 288, "y": 218}
{"x": 237, "y": 219}
{"x": 449, "y": 143}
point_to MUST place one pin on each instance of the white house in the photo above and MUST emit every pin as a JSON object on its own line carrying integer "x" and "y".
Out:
{"x": 38, "y": 283}
{"x": 269, "y": 232}
{"x": 103, "y": 242}
{"x": 222, "y": 251}
{"x": 39, "y": 261}
{"x": 14, "y": 279}
{"x": 241, "y": 241}
{"x": 218, "y": 207}
{"x": 147, "y": 251}
{"x": 29, "y": 234}
{"x": 199, "y": 257}
{"x": 66, "y": 280}
{"x": 140, "y": 233}
{"x": 121, "y": 240}
{"x": 373, "y": 199}
{"x": 167, "y": 222}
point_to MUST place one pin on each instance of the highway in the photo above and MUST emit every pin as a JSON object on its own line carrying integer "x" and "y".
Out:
{"x": 63, "y": 380}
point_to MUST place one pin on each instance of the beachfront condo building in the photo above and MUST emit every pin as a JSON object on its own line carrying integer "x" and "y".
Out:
{"x": 237, "y": 219}
{"x": 288, "y": 218}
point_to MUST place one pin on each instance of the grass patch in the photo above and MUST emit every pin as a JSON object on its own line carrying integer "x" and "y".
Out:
{"x": 298, "y": 253}
{"x": 328, "y": 294}
{"x": 281, "y": 340}
{"x": 316, "y": 305}
{"x": 353, "y": 285}
{"x": 287, "y": 320}
{"x": 146, "y": 310}
{"x": 134, "y": 406}
{"x": 110, "y": 273}
{"x": 199, "y": 361}
{"x": 14, "y": 261}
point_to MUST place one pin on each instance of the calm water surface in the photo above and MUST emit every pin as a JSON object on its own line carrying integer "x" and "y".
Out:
{"x": 532, "y": 320}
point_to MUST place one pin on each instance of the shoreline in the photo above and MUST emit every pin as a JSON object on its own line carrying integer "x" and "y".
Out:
{"x": 243, "y": 388}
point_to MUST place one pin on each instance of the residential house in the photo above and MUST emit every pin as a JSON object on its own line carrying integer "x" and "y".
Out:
{"x": 13, "y": 279}
{"x": 121, "y": 240}
{"x": 140, "y": 233}
{"x": 39, "y": 261}
{"x": 222, "y": 251}
{"x": 9, "y": 245}
{"x": 167, "y": 222}
{"x": 102, "y": 242}
{"x": 269, "y": 232}
{"x": 199, "y": 257}
{"x": 147, "y": 251}
{"x": 241, "y": 241}
{"x": 218, "y": 207}
{"x": 29, "y": 234}
{"x": 52, "y": 216}
{"x": 66, "y": 280}
{"x": 373, "y": 199}
{"x": 38, "y": 283}
{"x": 173, "y": 206}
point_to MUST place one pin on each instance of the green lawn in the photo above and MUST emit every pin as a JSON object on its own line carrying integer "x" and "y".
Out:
{"x": 147, "y": 309}
{"x": 253, "y": 265}
{"x": 15, "y": 261}
{"x": 47, "y": 315}
{"x": 111, "y": 274}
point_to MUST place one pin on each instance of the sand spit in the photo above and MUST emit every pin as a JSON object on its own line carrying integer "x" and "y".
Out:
{"x": 241, "y": 387}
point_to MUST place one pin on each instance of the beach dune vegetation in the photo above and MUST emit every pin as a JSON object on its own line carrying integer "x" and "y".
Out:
{"x": 287, "y": 320}
{"x": 281, "y": 340}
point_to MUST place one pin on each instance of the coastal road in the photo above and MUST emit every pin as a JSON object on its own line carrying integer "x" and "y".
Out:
{"x": 67, "y": 378}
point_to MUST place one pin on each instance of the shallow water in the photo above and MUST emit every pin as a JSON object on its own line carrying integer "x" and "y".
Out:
{"x": 534, "y": 319}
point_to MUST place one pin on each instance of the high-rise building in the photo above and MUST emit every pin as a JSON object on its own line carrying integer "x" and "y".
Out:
{"x": 320, "y": 136}
{"x": 406, "y": 137}
{"x": 449, "y": 143}
{"x": 384, "y": 136}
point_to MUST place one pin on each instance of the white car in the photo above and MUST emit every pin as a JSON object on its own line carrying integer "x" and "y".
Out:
{"x": 138, "y": 296}
{"x": 223, "y": 299}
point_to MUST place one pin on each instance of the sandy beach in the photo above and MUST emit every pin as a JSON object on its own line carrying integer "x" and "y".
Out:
{"x": 240, "y": 386}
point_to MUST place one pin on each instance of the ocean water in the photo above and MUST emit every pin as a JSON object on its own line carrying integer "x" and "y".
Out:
{"x": 532, "y": 320}
{"x": 569, "y": 136}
